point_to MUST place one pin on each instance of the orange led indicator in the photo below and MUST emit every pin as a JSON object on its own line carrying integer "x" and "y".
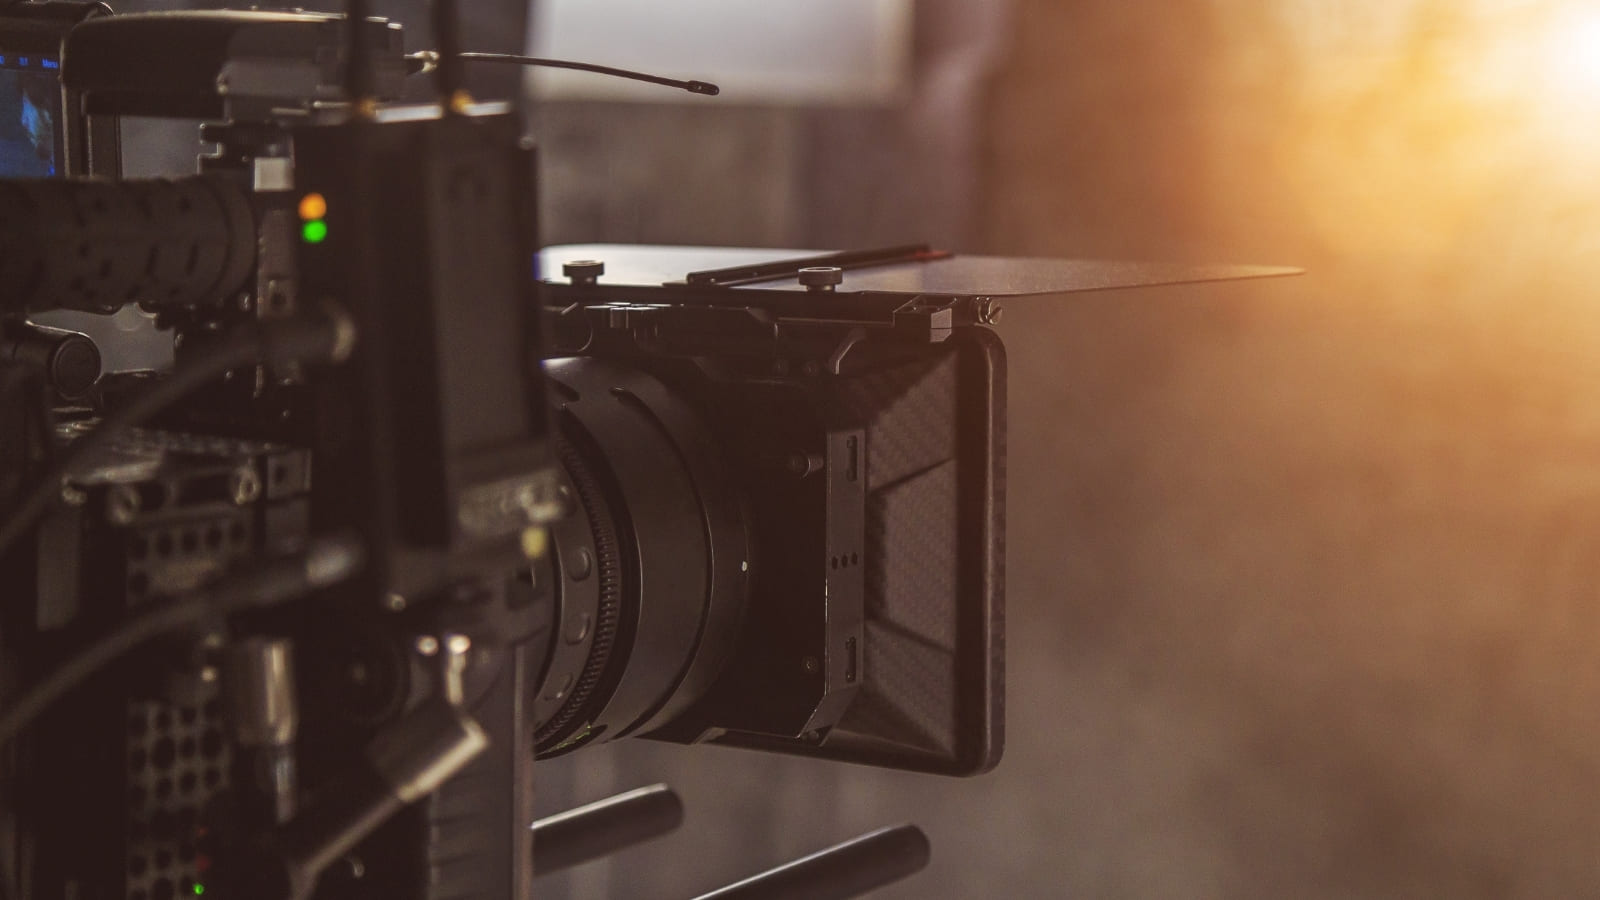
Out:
{"x": 313, "y": 207}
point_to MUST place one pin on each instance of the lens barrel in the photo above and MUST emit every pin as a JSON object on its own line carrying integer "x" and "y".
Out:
{"x": 652, "y": 565}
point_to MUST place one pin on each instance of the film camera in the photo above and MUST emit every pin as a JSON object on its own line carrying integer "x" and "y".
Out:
{"x": 418, "y": 503}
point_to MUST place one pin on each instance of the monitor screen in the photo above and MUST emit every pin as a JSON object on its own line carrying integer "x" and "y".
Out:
{"x": 30, "y": 116}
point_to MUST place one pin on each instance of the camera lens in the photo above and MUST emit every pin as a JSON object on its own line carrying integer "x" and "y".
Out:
{"x": 652, "y": 564}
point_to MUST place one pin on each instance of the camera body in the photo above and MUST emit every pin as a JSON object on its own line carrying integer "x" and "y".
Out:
{"x": 746, "y": 497}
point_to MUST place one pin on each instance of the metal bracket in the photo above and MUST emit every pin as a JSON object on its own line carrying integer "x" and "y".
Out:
{"x": 927, "y": 318}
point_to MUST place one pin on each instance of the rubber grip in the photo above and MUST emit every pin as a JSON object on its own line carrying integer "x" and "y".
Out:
{"x": 96, "y": 246}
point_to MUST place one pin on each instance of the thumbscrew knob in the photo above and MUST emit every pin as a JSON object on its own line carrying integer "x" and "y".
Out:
{"x": 821, "y": 278}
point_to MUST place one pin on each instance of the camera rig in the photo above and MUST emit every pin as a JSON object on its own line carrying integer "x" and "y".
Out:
{"x": 419, "y": 503}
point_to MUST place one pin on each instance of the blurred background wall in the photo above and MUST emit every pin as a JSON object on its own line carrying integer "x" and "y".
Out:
{"x": 1301, "y": 572}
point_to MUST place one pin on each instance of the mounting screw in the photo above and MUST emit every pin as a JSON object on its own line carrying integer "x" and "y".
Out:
{"x": 811, "y": 664}
{"x": 394, "y": 603}
{"x": 584, "y": 271}
{"x": 821, "y": 278}
{"x": 244, "y": 486}
{"x": 122, "y": 504}
{"x": 427, "y": 645}
{"x": 989, "y": 311}
{"x": 580, "y": 565}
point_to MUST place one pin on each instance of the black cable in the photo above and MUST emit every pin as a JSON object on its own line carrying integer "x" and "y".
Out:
{"x": 327, "y": 561}
{"x": 276, "y": 342}
{"x": 428, "y": 59}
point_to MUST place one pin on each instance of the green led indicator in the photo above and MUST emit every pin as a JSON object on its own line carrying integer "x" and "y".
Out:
{"x": 199, "y": 889}
{"x": 314, "y": 232}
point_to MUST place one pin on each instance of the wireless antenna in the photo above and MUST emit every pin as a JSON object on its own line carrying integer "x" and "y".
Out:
{"x": 358, "y": 75}
{"x": 430, "y": 60}
{"x": 447, "y": 75}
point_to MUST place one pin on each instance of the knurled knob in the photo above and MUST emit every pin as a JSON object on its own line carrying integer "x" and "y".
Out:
{"x": 821, "y": 278}
{"x": 583, "y": 271}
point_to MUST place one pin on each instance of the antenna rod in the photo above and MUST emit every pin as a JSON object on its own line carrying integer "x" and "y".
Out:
{"x": 358, "y": 77}
{"x": 447, "y": 74}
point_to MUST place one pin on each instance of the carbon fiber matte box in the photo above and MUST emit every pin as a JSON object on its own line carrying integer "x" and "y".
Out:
{"x": 931, "y": 681}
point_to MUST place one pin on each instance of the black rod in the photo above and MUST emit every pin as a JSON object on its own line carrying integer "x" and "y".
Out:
{"x": 788, "y": 268}
{"x": 358, "y": 75}
{"x": 599, "y": 829}
{"x": 447, "y": 77}
{"x": 846, "y": 870}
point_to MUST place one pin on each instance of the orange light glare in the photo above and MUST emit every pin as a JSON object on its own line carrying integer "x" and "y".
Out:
{"x": 1572, "y": 52}
{"x": 313, "y": 207}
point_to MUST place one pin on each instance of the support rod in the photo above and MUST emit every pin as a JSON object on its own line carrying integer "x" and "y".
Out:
{"x": 601, "y": 828}
{"x": 845, "y": 870}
